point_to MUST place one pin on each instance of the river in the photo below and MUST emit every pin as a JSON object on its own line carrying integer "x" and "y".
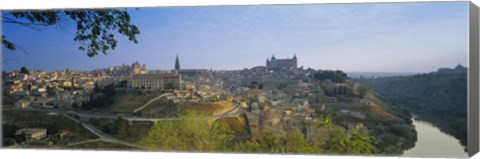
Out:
{"x": 431, "y": 142}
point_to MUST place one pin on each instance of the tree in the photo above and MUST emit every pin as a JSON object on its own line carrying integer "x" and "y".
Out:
{"x": 123, "y": 83}
{"x": 24, "y": 70}
{"x": 171, "y": 85}
{"x": 192, "y": 132}
{"x": 362, "y": 90}
{"x": 29, "y": 87}
{"x": 8, "y": 142}
{"x": 334, "y": 76}
{"x": 94, "y": 27}
{"x": 267, "y": 142}
{"x": 297, "y": 143}
{"x": 278, "y": 142}
{"x": 336, "y": 141}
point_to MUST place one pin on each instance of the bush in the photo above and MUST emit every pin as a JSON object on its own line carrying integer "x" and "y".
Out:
{"x": 8, "y": 142}
{"x": 192, "y": 132}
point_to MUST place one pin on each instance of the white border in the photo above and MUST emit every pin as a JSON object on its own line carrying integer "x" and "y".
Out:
{"x": 70, "y": 154}
{"x": 52, "y": 4}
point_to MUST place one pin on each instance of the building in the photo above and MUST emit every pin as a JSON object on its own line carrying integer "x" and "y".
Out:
{"x": 177, "y": 64}
{"x": 31, "y": 134}
{"x": 459, "y": 69}
{"x": 155, "y": 81}
{"x": 192, "y": 72}
{"x": 137, "y": 68}
{"x": 282, "y": 63}
{"x": 187, "y": 72}
{"x": 22, "y": 104}
{"x": 125, "y": 70}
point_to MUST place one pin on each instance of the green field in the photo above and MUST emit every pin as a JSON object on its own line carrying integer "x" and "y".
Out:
{"x": 126, "y": 102}
{"x": 161, "y": 108}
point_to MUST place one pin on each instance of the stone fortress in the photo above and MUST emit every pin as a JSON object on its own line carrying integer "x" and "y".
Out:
{"x": 274, "y": 63}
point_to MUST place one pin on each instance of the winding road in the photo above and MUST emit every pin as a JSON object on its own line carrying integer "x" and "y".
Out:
{"x": 232, "y": 112}
{"x": 151, "y": 101}
{"x": 102, "y": 136}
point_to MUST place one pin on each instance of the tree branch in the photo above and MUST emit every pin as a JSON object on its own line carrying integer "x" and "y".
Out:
{"x": 23, "y": 50}
{"x": 34, "y": 26}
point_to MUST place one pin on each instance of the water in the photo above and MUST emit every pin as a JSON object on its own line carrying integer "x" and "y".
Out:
{"x": 431, "y": 142}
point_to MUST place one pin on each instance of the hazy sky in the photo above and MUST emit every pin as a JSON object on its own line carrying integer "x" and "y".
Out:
{"x": 373, "y": 37}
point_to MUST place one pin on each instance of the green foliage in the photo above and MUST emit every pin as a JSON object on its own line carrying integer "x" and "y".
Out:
{"x": 7, "y": 44}
{"x": 392, "y": 139}
{"x": 440, "y": 98}
{"x": 335, "y": 76}
{"x": 94, "y": 28}
{"x": 255, "y": 85}
{"x": 171, "y": 85}
{"x": 360, "y": 143}
{"x": 121, "y": 129}
{"x": 252, "y": 100}
{"x": 398, "y": 130}
{"x": 336, "y": 141}
{"x": 388, "y": 143}
{"x": 8, "y": 142}
{"x": 192, "y": 132}
{"x": 271, "y": 142}
{"x": 362, "y": 90}
{"x": 161, "y": 109}
{"x": 105, "y": 99}
{"x": 17, "y": 119}
{"x": 9, "y": 130}
{"x": 293, "y": 142}
{"x": 333, "y": 140}
{"x": 123, "y": 83}
{"x": 298, "y": 144}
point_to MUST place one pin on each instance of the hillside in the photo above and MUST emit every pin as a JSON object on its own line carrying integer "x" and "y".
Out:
{"x": 390, "y": 127}
{"x": 126, "y": 102}
{"x": 437, "y": 97}
{"x": 377, "y": 110}
{"x": 211, "y": 108}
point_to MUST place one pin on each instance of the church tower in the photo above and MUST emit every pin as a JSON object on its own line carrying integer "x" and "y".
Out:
{"x": 295, "y": 63}
{"x": 177, "y": 64}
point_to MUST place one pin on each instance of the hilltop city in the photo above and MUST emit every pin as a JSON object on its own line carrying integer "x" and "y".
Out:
{"x": 117, "y": 107}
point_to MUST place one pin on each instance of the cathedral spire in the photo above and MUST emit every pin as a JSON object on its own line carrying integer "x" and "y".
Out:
{"x": 177, "y": 64}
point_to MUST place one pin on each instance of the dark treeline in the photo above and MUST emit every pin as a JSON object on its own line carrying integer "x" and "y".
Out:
{"x": 100, "y": 98}
{"x": 440, "y": 98}
{"x": 336, "y": 76}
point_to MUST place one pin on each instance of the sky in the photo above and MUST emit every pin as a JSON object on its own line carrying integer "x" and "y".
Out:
{"x": 362, "y": 37}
